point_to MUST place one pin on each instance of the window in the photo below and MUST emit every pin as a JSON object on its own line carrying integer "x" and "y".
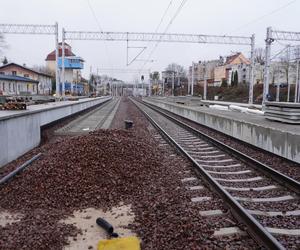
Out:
{"x": 14, "y": 87}
{"x": 3, "y": 86}
{"x": 9, "y": 87}
{"x": 1, "y": 73}
{"x": 26, "y": 75}
{"x": 33, "y": 87}
{"x": 14, "y": 73}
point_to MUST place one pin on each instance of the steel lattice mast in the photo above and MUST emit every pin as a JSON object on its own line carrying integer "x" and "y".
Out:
{"x": 157, "y": 37}
{"x": 276, "y": 35}
{"x": 171, "y": 38}
{"x": 36, "y": 29}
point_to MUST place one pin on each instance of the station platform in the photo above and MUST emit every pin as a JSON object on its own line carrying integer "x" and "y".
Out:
{"x": 20, "y": 130}
{"x": 276, "y": 137}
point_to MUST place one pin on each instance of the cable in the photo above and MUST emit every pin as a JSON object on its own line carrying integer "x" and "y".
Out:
{"x": 266, "y": 15}
{"x": 164, "y": 15}
{"x": 166, "y": 29}
{"x": 95, "y": 17}
{"x": 157, "y": 28}
{"x": 101, "y": 30}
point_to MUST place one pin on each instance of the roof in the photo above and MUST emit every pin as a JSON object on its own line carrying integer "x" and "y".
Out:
{"x": 52, "y": 57}
{"x": 23, "y": 67}
{"x": 17, "y": 78}
{"x": 230, "y": 59}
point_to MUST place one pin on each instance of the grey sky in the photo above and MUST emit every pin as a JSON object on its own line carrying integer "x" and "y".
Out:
{"x": 216, "y": 17}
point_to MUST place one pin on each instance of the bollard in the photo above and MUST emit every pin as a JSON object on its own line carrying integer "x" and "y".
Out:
{"x": 128, "y": 124}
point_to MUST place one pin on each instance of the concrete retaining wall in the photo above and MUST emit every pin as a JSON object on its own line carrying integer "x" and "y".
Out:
{"x": 20, "y": 132}
{"x": 279, "y": 140}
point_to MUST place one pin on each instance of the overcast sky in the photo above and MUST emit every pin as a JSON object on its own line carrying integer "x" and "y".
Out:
{"x": 213, "y": 17}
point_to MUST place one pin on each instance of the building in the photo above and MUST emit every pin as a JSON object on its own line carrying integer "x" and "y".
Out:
{"x": 218, "y": 71}
{"x": 43, "y": 79}
{"x": 239, "y": 64}
{"x": 204, "y": 70}
{"x": 73, "y": 66}
{"x": 17, "y": 85}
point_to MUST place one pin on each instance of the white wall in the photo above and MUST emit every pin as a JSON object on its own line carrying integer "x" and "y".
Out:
{"x": 20, "y": 132}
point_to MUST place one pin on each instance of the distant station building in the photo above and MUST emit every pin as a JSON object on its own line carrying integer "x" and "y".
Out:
{"x": 74, "y": 83}
{"x": 44, "y": 86}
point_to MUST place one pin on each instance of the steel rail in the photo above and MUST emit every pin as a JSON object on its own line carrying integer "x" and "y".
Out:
{"x": 284, "y": 180}
{"x": 19, "y": 169}
{"x": 255, "y": 229}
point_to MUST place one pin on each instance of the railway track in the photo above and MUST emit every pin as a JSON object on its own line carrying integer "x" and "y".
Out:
{"x": 264, "y": 200}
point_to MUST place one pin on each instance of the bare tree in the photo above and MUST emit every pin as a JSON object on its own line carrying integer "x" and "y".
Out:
{"x": 2, "y": 44}
{"x": 176, "y": 68}
{"x": 259, "y": 56}
{"x": 43, "y": 69}
{"x": 154, "y": 76}
{"x": 286, "y": 65}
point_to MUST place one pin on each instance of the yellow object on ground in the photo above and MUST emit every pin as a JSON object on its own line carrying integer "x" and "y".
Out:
{"x": 126, "y": 243}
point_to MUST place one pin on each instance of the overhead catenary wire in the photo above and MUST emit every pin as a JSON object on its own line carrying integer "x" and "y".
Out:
{"x": 101, "y": 30}
{"x": 183, "y": 2}
{"x": 156, "y": 30}
{"x": 265, "y": 15}
{"x": 163, "y": 16}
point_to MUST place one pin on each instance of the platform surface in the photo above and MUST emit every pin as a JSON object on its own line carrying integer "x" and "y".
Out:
{"x": 259, "y": 120}
{"x": 7, "y": 114}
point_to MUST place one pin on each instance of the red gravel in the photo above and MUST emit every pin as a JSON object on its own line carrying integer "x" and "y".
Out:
{"x": 100, "y": 170}
{"x": 179, "y": 134}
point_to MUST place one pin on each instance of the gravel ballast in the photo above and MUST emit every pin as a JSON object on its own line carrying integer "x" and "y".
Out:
{"x": 101, "y": 170}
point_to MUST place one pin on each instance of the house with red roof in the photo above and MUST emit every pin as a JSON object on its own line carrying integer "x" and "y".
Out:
{"x": 73, "y": 65}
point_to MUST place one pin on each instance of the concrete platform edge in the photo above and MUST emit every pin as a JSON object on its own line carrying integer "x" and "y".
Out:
{"x": 22, "y": 132}
{"x": 279, "y": 142}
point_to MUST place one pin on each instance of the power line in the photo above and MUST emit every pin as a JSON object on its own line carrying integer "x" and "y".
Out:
{"x": 101, "y": 30}
{"x": 156, "y": 30}
{"x": 166, "y": 29}
{"x": 94, "y": 15}
{"x": 264, "y": 16}
{"x": 163, "y": 16}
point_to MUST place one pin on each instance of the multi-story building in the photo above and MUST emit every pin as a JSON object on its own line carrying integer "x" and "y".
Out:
{"x": 217, "y": 71}
{"x": 44, "y": 80}
{"x": 204, "y": 70}
{"x": 73, "y": 66}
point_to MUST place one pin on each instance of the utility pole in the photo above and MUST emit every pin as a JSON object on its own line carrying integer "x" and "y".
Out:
{"x": 90, "y": 81}
{"x": 269, "y": 41}
{"x": 63, "y": 64}
{"x": 142, "y": 79}
{"x": 57, "y": 92}
{"x": 297, "y": 82}
{"x": 178, "y": 79}
{"x": 163, "y": 86}
{"x": 150, "y": 84}
{"x": 288, "y": 49}
{"x": 205, "y": 84}
{"x": 277, "y": 92}
{"x": 252, "y": 69}
{"x": 173, "y": 82}
{"x": 192, "y": 86}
